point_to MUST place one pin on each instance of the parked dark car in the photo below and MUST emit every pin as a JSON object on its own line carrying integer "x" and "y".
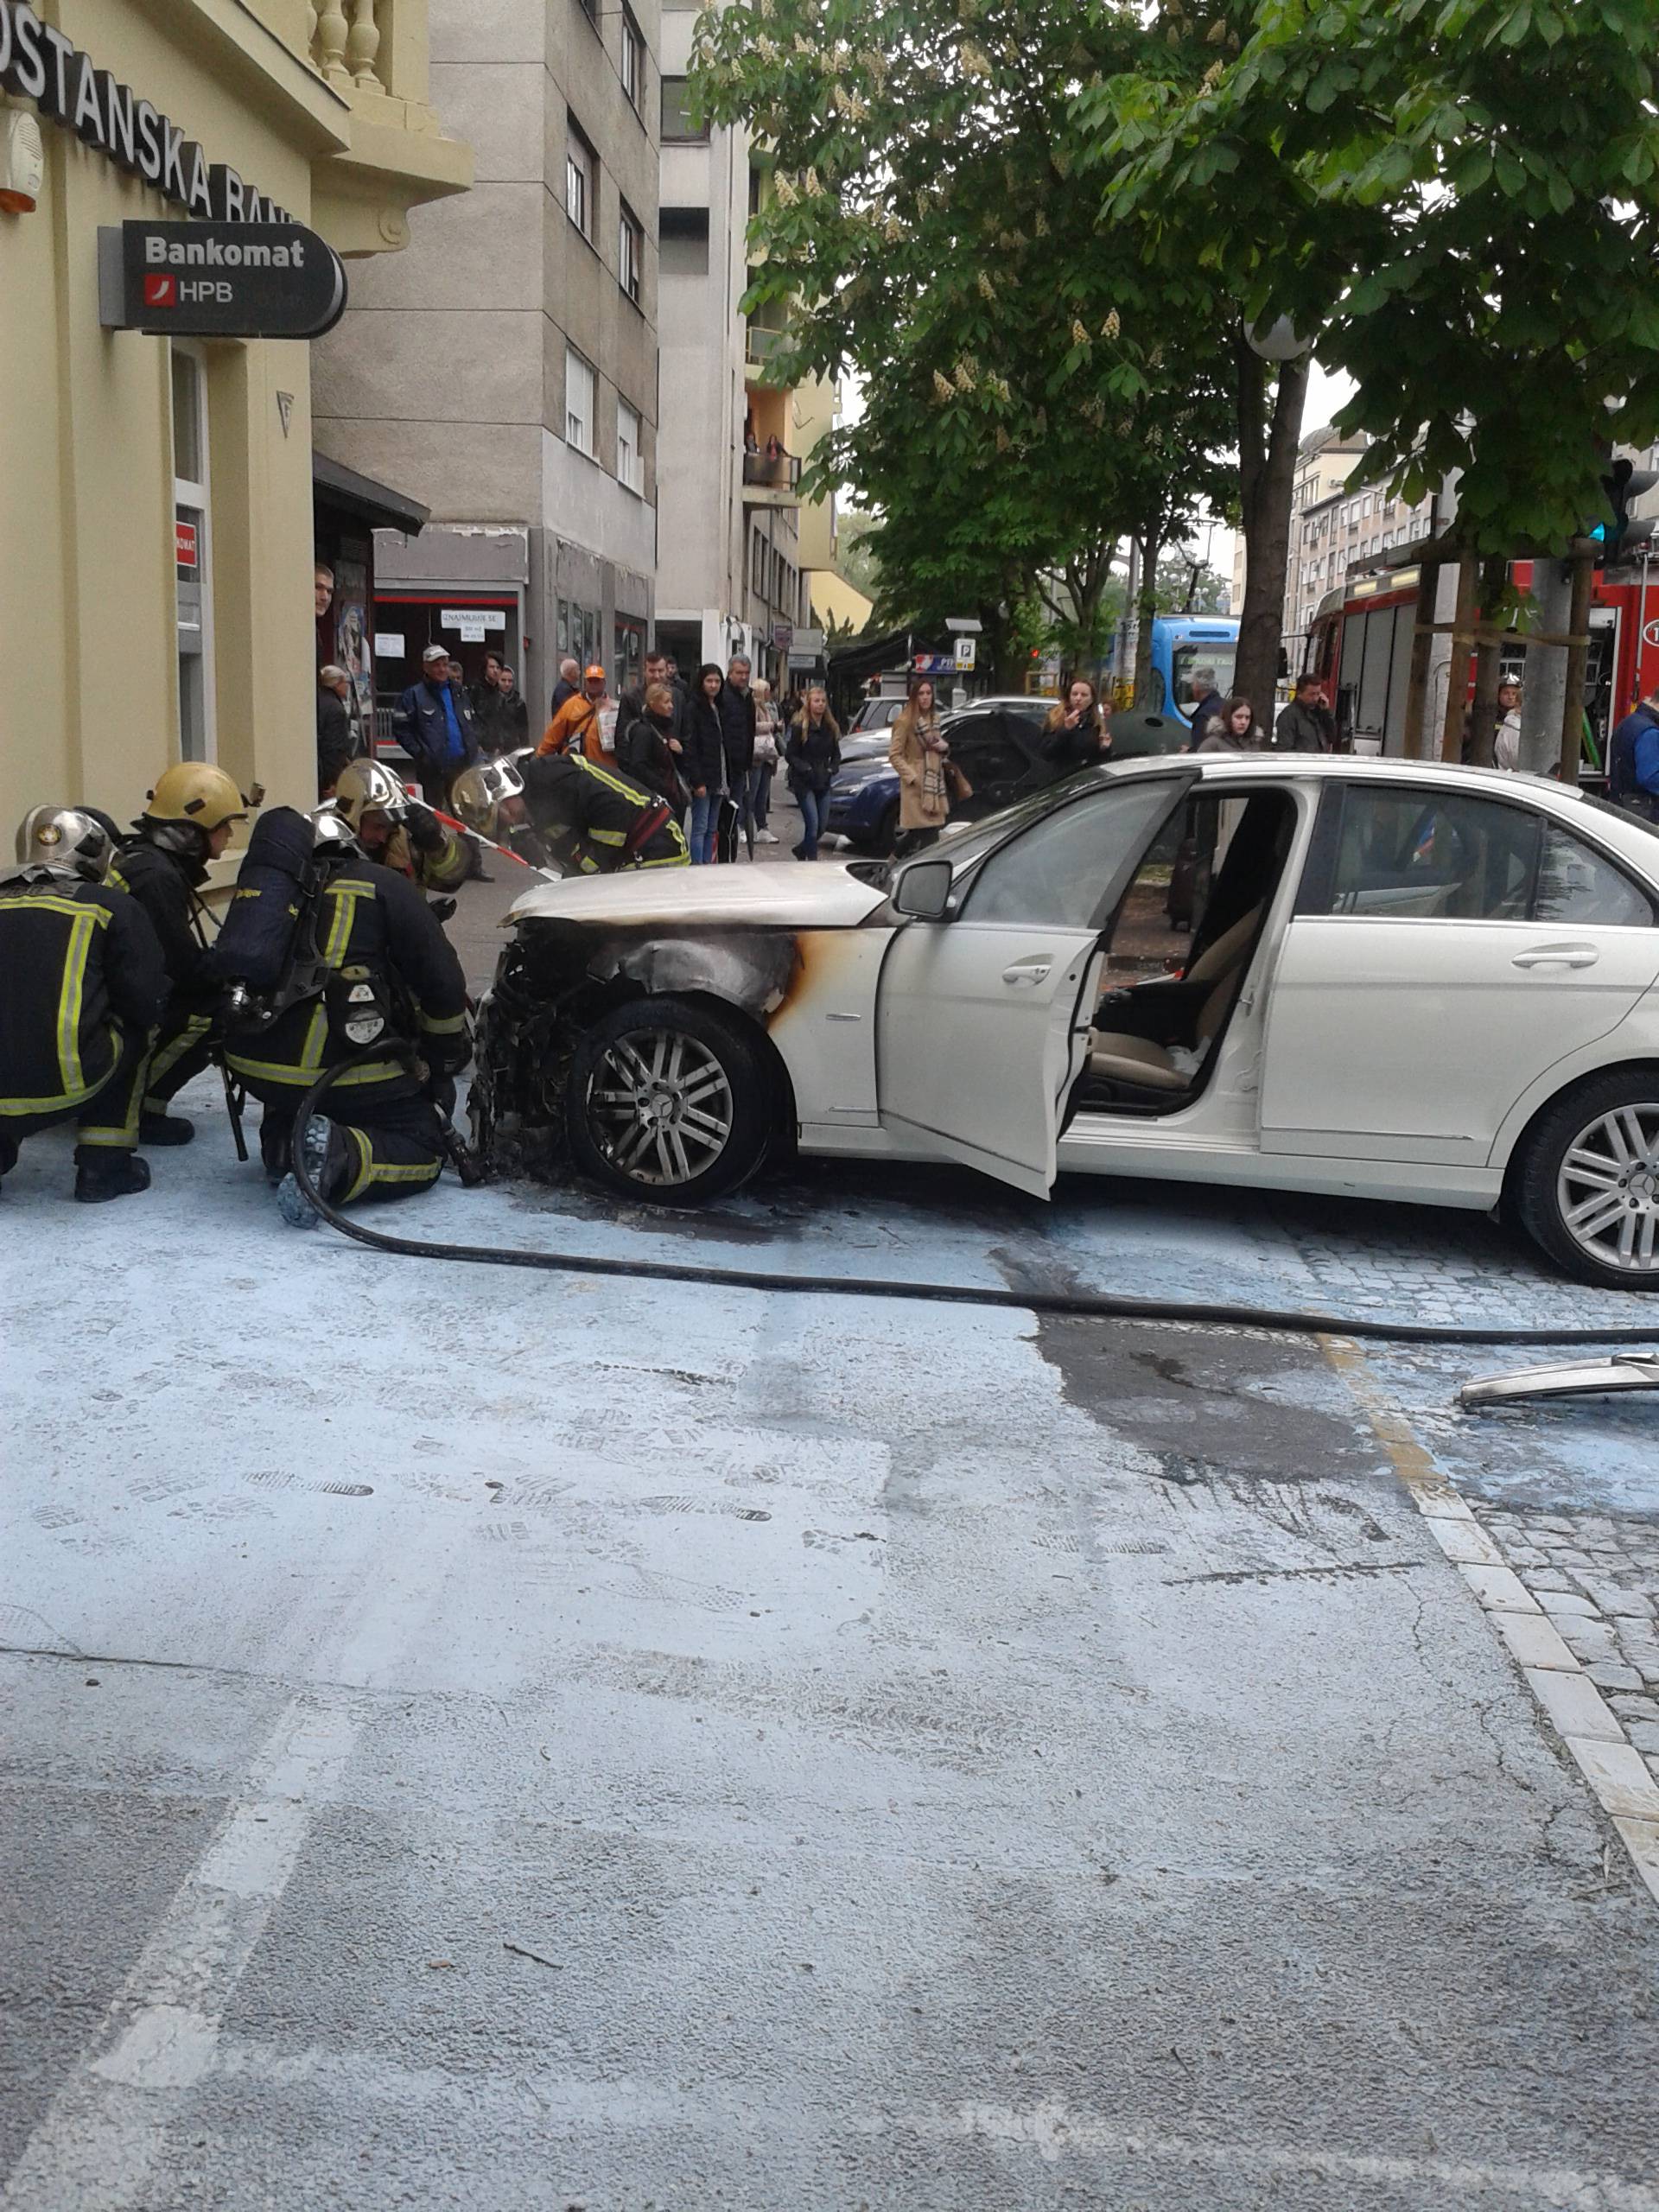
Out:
{"x": 1000, "y": 750}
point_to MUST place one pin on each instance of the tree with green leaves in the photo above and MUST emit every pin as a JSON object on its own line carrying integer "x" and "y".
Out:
{"x": 1028, "y": 403}
{"x": 1458, "y": 200}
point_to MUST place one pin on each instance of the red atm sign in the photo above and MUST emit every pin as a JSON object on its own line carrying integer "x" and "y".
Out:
{"x": 186, "y": 535}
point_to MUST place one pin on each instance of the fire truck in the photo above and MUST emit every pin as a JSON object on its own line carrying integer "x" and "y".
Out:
{"x": 1359, "y": 642}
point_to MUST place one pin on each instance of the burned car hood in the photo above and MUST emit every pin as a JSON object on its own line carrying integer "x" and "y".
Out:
{"x": 775, "y": 895}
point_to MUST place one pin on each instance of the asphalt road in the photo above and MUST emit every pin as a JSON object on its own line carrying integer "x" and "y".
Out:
{"x": 494, "y": 1741}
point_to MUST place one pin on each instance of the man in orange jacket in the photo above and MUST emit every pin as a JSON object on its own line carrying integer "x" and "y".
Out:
{"x": 586, "y": 723}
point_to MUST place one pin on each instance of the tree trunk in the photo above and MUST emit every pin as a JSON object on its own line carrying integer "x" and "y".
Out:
{"x": 1268, "y": 441}
{"x": 999, "y": 648}
{"x": 1148, "y": 680}
{"x": 1545, "y": 695}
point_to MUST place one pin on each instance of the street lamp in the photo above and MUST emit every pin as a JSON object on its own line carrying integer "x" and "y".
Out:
{"x": 1278, "y": 340}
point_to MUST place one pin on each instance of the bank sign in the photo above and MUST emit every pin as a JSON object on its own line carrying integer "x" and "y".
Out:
{"x": 219, "y": 280}
{"x": 38, "y": 63}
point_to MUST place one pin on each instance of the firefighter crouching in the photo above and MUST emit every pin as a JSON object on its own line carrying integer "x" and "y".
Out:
{"x": 85, "y": 985}
{"x": 333, "y": 953}
{"x": 186, "y": 822}
{"x": 398, "y": 831}
{"x": 595, "y": 820}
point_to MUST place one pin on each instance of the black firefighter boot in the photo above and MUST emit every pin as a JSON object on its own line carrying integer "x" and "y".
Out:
{"x": 157, "y": 1128}
{"x": 107, "y": 1171}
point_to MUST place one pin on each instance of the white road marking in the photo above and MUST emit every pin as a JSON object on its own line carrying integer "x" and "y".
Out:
{"x": 105, "y": 2128}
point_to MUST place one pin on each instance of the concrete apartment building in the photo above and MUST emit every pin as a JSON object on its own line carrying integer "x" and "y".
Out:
{"x": 1330, "y": 528}
{"x": 156, "y": 491}
{"x": 505, "y": 373}
{"x": 737, "y": 551}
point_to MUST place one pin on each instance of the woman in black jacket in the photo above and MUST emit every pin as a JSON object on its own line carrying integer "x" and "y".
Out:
{"x": 812, "y": 756}
{"x": 1078, "y": 738}
{"x": 649, "y": 751}
{"x": 703, "y": 762}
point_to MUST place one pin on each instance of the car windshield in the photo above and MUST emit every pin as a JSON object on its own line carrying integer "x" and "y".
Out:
{"x": 1213, "y": 657}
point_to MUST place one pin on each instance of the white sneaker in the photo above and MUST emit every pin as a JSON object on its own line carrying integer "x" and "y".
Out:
{"x": 766, "y": 836}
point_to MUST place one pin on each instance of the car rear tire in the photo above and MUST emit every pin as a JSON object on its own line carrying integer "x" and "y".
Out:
{"x": 1588, "y": 1185}
{"x": 667, "y": 1103}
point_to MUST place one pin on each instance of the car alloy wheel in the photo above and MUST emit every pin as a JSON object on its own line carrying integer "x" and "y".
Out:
{"x": 671, "y": 1101}
{"x": 1607, "y": 1189}
{"x": 660, "y": 1107}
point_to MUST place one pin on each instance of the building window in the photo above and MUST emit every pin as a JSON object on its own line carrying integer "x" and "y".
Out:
{"x": 630, "y": 252}
{"x": 630, "y": 461}
{"x": 578, "y": 402}
{"x": 193, "y": 565}
{"x": 683, "y": 242}
{"x": 633, "y": 71}
{"x": 680, "y": 127}
{"x": 581, "y": 174}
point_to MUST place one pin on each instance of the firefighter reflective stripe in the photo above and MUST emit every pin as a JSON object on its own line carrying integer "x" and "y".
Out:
{"x": 608, "y": 837}
{"x": 167, "y": 1057}
{"x": 84, "y": 921}
{"x": 301, "y": 1079}
{"x": 115, "y": 1124}
{"x": 374, "y": 1172}
{"x": 447, "y": 1024}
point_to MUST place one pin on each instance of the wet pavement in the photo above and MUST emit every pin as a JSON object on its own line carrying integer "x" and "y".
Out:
{"x": 493, "y": 1740}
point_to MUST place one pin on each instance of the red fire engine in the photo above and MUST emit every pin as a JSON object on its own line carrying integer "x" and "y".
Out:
{"x": 1359, "y": 642}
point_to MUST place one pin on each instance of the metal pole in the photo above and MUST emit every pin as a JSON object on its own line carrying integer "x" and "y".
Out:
{"x": 1456, "y": 677}
{"x": 1422, "y": 645}
{"x": 1641, "y": 639}
{"x": 1584, "y": 578}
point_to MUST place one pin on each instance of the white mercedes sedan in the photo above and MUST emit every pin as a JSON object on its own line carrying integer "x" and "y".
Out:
{"x": 1383, "y": 979}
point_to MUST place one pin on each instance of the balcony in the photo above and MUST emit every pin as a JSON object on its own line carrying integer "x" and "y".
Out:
{"x": 375, "y": 54}
{"x": 770, "y": 479}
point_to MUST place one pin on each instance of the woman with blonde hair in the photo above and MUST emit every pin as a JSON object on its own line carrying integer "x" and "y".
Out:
{"x": 921, "y": 755}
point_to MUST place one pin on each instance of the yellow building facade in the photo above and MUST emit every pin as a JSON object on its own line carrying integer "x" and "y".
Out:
{"x": 155, "y": 493}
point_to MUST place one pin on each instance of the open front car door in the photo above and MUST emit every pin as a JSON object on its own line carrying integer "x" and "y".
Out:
{"x": 988, "y": 989}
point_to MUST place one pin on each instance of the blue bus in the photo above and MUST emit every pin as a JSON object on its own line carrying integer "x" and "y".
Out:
{"x": 1185, "y": 646}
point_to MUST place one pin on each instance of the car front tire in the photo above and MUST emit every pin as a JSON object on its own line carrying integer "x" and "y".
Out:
{"x": 667, "y": 1103}
{"x": 1588, "y": 1185}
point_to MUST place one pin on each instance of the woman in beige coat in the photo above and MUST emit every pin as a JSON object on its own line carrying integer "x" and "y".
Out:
{"x": 922, "y": 758}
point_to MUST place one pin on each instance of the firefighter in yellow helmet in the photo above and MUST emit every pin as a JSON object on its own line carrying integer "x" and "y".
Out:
{"x": 85, "y": 983}
{"x": 187, "y": 821}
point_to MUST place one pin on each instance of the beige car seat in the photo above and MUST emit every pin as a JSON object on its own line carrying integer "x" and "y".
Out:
{"x": 1137, "y": 1060}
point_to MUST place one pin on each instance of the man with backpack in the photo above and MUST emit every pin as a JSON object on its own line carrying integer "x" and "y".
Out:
{"x": 85, "y": 985}
{"x": 340, "y": 960}
{"x": 187, "y": 821}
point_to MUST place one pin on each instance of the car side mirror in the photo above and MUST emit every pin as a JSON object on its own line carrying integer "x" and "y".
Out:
{"x": 922, "y": 891}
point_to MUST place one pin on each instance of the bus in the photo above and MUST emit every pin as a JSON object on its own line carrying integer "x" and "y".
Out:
{"x": 1183, "y": 646}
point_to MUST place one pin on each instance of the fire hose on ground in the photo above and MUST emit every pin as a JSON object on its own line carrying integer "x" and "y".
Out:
{"x": 1622, "y": 1372}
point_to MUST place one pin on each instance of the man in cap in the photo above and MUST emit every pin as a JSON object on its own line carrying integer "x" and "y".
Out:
{"x": 187, "y": 821}
{"x": 434, "y": 722}
{"x": 585, "y": 724}
{"x": 86, "y": 981}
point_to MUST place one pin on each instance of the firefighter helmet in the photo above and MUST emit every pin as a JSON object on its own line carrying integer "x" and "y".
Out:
{"x": 197, "y": 793}
{"x": 66, "y": 842}
{"x": 334, "y": 835}
{"x": 365, "y": 787}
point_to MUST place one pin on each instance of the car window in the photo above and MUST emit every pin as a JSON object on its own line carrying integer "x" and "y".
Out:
{"x": 1579, "y": 888}
{"x": 1421, "y": 855}
{"x": 1069, "y": 867}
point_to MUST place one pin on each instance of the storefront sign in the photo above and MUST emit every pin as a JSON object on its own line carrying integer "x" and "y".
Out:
{"x": 486, "y": 618}
{"x": 38, "y": 63}
{"x": 219, "y": 280}
{"x": 185, "y": 534}
{"x": 389, "y": 644}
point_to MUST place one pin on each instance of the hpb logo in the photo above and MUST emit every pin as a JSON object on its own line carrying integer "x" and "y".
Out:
{"x": 160, "y": 291}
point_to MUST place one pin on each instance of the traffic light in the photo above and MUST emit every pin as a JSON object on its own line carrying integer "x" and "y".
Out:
{"x": 1623, "y": 482}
